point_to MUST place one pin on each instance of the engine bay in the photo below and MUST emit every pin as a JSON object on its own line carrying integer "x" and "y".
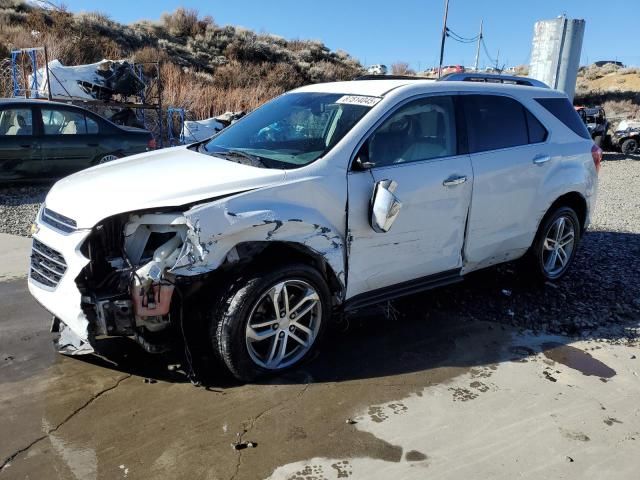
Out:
{"x": 127, "y": 287}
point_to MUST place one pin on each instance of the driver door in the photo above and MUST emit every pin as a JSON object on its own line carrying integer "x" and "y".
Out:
{"x": 416, "y": 147}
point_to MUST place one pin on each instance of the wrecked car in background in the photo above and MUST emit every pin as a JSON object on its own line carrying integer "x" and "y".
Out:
{"x": 324, "y": 201}
{"x": 198, "y": 130}
{"x": 626, "y": 138}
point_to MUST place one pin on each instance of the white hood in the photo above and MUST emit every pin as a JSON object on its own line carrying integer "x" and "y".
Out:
{"x": 163, "y": 178}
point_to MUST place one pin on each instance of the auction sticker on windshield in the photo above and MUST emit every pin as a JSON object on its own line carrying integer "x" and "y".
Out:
{"x": 359, "y": 100}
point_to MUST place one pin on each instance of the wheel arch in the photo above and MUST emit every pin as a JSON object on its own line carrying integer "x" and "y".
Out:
{"x": 263, "y": 254}
{"x": 236, "y": 241}
{"x": 574, "y": 200}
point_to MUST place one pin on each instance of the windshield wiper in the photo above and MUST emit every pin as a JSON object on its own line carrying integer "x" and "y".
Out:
{"x": 235, "y": 155}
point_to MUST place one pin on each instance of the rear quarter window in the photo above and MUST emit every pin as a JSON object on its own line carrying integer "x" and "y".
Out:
{"x": 562, "y": 109}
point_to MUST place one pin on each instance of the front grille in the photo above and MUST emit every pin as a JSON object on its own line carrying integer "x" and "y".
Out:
{"x": 47, "y": 265}
{"x": 57, "y": 221}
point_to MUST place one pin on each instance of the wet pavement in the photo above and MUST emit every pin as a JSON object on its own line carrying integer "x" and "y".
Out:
{"x": 394, "y": 395}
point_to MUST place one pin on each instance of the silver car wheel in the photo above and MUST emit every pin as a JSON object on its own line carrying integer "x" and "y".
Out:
{"x": 108, "y": 158}
{"x": 283, "y": 324}
{"x": 558, "y": 246}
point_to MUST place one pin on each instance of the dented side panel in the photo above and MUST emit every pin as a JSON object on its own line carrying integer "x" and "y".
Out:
{"x": 511, "y": 195}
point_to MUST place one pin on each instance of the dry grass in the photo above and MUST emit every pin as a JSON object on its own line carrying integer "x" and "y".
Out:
{"x": 203, "y": 99}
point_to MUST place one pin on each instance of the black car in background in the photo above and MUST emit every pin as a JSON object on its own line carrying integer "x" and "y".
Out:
{"x": 43, "y": 140}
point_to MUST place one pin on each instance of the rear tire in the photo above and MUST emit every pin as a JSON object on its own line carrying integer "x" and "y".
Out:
{"x": 555, "y": 245}
{"x": 598, "y": 140}
{"x": 629, "y": 146}
{"x": 252, "y": 339}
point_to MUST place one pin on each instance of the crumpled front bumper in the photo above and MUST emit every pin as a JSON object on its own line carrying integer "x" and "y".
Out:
{"x": 64, "y": 300}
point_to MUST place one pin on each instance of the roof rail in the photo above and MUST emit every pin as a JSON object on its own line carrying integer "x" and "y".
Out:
{"x": 492, "y": 78}
{"x": 391, "y": 77}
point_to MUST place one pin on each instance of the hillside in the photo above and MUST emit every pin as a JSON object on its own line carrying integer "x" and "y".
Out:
{"x": 206, "y": 68}
{"x": 616, "y": 88}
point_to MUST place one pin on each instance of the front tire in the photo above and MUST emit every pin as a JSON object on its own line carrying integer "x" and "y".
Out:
{"x": 269, "y": 322}
{"x": 555, "y": 245}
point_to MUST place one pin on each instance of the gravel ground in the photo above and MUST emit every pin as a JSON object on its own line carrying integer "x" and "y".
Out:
{"x": 19, "y": 207}
{"x": 600, "y": 296}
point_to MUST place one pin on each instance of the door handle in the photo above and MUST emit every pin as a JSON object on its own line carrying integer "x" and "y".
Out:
{"x": 92, "y": 144}
{"x": 27, "y": 145}
{"x": 452, "y": 181}
{"x": 541, "y": 159}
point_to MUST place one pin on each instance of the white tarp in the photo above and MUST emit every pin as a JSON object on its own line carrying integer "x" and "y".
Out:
{"x": 197, "y": 130}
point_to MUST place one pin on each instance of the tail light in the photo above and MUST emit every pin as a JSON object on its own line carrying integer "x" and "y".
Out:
{"x": 596, "y": 154}
{"x": 151, "y": 144}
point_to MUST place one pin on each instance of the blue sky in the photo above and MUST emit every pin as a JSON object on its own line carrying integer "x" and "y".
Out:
{"x": 378, "y": 31}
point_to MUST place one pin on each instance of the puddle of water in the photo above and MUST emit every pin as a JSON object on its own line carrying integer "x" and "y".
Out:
{"x": 415, "y": 456}
{"x": 577, "y": 359}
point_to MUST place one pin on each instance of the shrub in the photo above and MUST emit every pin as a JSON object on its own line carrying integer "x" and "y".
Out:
{"x": 401, "y": 68}
{"x": 181, "y": 23}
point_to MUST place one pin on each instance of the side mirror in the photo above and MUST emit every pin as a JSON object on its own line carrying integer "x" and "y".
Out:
{"x": 384, "y": 207}
{"x": 362, "y": 162}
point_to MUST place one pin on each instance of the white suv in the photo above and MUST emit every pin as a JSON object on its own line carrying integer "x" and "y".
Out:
{"x": 327, "y": 199}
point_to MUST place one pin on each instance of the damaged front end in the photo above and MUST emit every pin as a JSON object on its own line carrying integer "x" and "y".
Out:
{"x": 127, "y": 287}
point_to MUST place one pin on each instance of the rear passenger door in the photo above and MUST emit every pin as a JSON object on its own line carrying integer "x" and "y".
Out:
{"x": 19, "y": 146}
{"x": 66, "y": 144}
{"x": 510, "y": 158}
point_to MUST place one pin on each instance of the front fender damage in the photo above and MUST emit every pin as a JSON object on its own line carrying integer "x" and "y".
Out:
{"x": 215, "y": 229}
{"x": 138, "y": 261}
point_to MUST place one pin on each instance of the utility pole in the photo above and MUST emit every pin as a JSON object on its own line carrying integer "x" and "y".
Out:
{"x": 475, "y": 66}
{"x": 498, "y": 60}
{"x": 444, "y": 36}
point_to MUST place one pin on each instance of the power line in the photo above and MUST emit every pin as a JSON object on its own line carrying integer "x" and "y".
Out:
{"x": 460, "y": 38}
{"x": 486, "y": 52}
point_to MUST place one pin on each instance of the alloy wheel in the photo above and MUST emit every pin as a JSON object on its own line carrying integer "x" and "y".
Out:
{"x": 283, "y": 324}
{"x": 108, "y": 158}
{"x": 558, "y": 246}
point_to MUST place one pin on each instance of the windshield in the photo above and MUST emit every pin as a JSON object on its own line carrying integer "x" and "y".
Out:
{"x": 290, "y": 131}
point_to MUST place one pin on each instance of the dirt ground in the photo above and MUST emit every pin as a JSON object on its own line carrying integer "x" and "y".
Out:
{"x": 435, "y": 388}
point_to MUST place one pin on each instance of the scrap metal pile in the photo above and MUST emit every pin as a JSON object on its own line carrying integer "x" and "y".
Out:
{"x": 96, "y": 81}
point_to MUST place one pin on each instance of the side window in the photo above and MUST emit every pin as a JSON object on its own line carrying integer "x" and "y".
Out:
{"x": 537, "y": 132}
{"x": 92, "y": 125}
{"x": 16, "y": 122}
{"x": 421, "y": 130}
{"x": 494, "y": 122}
{"x": 63, "y": 122}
